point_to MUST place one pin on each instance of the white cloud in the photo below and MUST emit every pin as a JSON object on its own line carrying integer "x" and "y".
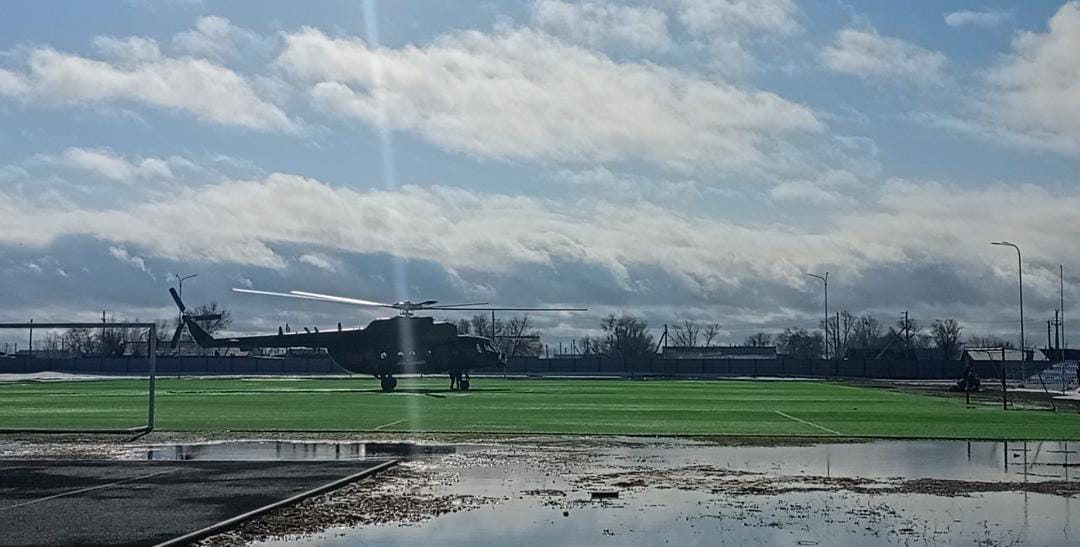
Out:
{"x": 867, "y": 54}
{"x": 728, "y": 27}
{"x": 1033, "y": 95}
{"x": 523, "y": 95}
{"x": 112, "y": 166}
{"x": 132, "y": 49}
{"x": 12, "y": 84}
{"x": 914, "y": 223}
{"x": 989, "y": 18}
{"x": 703, "y": 17}
{"x": 122, "y": 255}
{"x": 805, "y": 191}
{"x": 209, "y": 91}
{"x": 317, "y": 260}
{"x": 601, "y": 25}
{"x": 13, "y": 172}
{"x": 215, "y": 37}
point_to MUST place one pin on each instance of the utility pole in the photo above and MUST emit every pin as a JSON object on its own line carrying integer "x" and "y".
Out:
{"x": 1064, "y": 343}
{"x": 825, "y": 279}
{"x": 1061, "y": 278}
{"x": 1057, "y": 329}
{"x": 836, "y": 338}
{"x": 31, "y": 346}
{"x": 1049, "y": 322}
{"x": 907, "y": 333}
{"x": 180, "y": 294}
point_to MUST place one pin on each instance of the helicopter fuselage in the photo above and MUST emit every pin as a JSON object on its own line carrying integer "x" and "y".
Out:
{"x": 386, "y": 347}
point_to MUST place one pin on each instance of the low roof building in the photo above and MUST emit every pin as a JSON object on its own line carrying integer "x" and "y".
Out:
{"x": 1007, "y": 355}
{"x": 719, "y": 352}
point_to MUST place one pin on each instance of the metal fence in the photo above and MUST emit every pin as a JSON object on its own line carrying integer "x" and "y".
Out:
{"x": 785, "y": 367}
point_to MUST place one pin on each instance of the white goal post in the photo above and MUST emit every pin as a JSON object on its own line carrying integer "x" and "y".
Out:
{"x": 152, "y": 355}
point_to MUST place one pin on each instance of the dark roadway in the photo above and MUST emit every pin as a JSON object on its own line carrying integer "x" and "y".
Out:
{"x": 144, "y": 502}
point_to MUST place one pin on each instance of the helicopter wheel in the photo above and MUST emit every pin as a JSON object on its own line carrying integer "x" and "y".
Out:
{"x": 388, "y": 383}
{"x": 463, "y": 384}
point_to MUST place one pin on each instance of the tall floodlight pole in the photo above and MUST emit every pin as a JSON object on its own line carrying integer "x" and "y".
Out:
{"x": 180, "y": 293}
{"x": 1020, "y": 275}
{"x": 825, "y": 280}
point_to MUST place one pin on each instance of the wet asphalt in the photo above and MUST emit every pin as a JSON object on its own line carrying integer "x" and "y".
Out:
{"x": 144, "y": 503}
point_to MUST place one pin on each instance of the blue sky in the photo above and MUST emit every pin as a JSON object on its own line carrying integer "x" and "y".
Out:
{"x": 682, "y": 159}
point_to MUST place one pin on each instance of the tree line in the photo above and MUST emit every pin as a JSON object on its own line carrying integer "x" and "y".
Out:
{"x": 867, "y": 337}
{"x": 112, "y": 341}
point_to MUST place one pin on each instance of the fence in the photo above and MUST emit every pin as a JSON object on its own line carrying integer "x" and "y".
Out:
{"x": 785, "y": 367}
{"x": 195, "y": 365}
{"x": 894, "y": 369}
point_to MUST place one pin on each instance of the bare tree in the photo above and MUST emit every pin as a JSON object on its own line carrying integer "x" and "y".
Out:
{"x": 52, "y": 342}
{"x": 686, "y": 333}
{"x": 589, "y": 345}
{"x": 518, "y": 338}
{"x": 946, "y": 335}
{"x": 990, "y": 341}
{"x": 711, "y": 331}
{"x": 841, "y": 330}
{"x": 866, "y": 333}
{"x": 213, "y": 326}
{"x": 464, "y": 326}
{"x": 626, "y": 336}
{"x": 800, "y": 343}
{"x": 79, "y": 341}
{"x": 480, "y": 325}
{"x": 758, "y": 340}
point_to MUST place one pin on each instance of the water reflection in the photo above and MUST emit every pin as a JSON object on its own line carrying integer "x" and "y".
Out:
{"x": 654, "y": 516}
{"x": 292, "y": 450}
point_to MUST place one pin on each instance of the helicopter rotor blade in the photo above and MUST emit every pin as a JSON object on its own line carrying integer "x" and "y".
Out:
{"x": 206, "y": 317}
{"x": 507, "y": 309}
{"x": 281, "y": 294}
{"x": 448, "y": 306}
{"x": 176, "y": 298}
{"x": 342, "y": 299}
{"x": 176, "y": 336}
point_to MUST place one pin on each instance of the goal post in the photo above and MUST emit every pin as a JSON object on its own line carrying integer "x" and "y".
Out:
{"x": 151, "y": 345}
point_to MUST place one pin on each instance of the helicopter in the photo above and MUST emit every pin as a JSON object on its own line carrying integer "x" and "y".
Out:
{"x": 403, "y": 344}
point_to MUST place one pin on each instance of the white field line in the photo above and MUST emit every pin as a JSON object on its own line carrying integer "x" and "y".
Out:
{"x": 812, "y": 424}
{"x": 82, "y": 490}
{"x": 389, "y": 424}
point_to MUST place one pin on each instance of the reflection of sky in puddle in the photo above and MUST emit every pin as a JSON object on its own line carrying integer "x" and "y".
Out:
{"x": 648, "y": 516}
{"x": 685, "y": 518}
{"x": 289, "y": 450}
{"x": 962, "y": 460}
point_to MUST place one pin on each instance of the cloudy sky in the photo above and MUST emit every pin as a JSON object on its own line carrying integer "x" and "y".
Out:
{"x": 677, "y": 159}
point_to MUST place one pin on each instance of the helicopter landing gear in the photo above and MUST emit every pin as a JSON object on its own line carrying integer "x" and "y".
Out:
{"x": 459, "y": 380}
{"x": 388, "y": 383}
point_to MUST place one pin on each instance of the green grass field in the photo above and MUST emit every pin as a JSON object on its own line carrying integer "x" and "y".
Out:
{"x": 773, "y": 408}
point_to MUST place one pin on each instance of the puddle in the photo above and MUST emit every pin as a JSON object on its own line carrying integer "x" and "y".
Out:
{"x": 682, "y": 492}
{"x": 958, "y": 460}
{"x": 290, "y": 450}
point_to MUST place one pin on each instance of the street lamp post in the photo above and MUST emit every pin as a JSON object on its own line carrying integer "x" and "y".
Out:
{"x": 180, "y": 293}
{"x": 825, "y": 280}
{"x": 1020, "y": 275}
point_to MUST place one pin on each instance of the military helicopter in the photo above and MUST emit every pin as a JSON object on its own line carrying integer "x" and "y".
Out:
{"x": 404, "y": 344}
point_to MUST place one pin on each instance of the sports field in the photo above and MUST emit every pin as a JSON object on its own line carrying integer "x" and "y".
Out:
{"x": 772, "y": 408}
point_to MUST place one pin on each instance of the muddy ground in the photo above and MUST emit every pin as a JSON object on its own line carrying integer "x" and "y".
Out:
{"x": 569, "y": 474}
